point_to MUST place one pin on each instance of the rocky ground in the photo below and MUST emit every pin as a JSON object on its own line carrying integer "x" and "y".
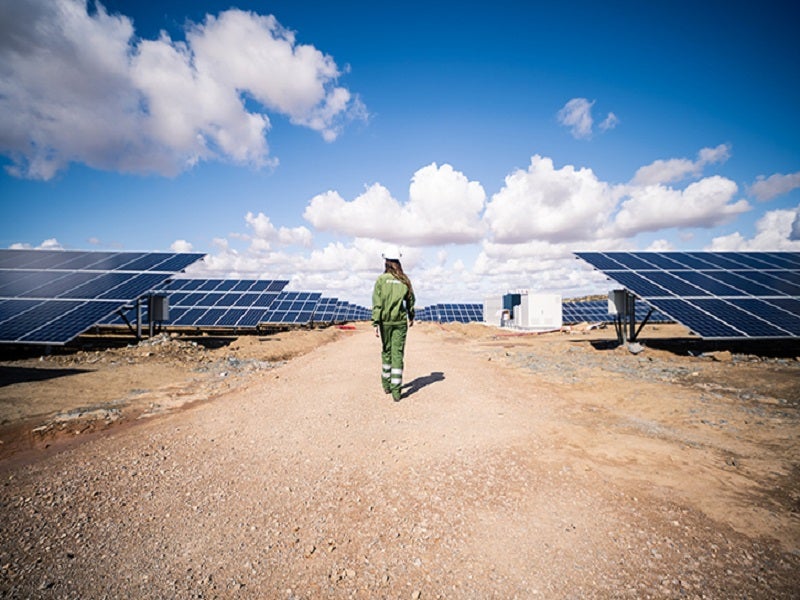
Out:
{"x": 515, "y": 466}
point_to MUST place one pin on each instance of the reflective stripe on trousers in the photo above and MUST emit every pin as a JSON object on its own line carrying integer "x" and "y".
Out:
{"x": 393, "y": 344}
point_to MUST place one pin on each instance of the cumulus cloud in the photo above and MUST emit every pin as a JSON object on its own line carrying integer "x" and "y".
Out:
{"x": 343, "y": 270}
{"x": 773, "y": 186}
{"x": 577, "y": 116}
{"x": 267, "y": 234}
{"x": 679, "y": 169}
{"x": 660, "y": 246}
{"x": 444, "y": 207}
{"x": 527, "y": 231}
{"x": 794, "y": 234}
{"x": 705, "y": 203}
{"x": 545, "y": 203}
{"x": 48, "y": 244}
{"x": 81, "y": 87}
{"x": 181, "y": 246}
{"x": 776, "y": 230}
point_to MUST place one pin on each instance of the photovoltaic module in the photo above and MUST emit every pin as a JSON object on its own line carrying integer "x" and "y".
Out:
{"x": 717, "y": 295}
{"x": 52, "y": 296}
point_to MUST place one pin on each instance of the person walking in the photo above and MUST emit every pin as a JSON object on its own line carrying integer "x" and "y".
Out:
{"x": 392, "y": 315}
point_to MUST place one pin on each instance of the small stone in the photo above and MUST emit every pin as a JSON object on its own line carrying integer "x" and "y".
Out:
{"x": 721, "y": 356}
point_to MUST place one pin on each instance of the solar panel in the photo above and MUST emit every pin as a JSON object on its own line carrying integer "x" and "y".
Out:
{"x": 52, "y": 296}
{"x": 325, "y": 310}
{"x": 596, "y": 311}
{"x": 718, "y": 295}
{"x": 294, "y": 308}
{"x": 208, "y": 303}
{"x": 451, "y": 312}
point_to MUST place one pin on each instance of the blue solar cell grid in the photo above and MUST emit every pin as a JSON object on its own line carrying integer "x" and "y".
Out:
{"x": 596, "y": 311}
{"x": 292, "y": 308}
{"x": 228, "y": 303}
{"x": 451, "y": 312}
{"x": 715, "y": 294}
{"x": 50, "y": 297}
{"x": 325, "y": 310}
{"x": 200, "y": 303}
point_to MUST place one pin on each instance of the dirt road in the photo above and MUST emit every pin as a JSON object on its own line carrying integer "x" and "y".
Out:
{"x": 504, "y": 472}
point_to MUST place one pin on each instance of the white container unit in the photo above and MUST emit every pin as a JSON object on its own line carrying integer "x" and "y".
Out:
{"x": 493, "y": 311}
{"x": 539, "y": 311}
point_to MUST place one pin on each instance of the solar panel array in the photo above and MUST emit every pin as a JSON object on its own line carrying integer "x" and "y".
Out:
{"x": 292, "y": 308}
{"x": 325, "y": 310}
{"x": 596, "y": 311}
{"x": 52, "y": 296}
{"x": 245, "y": 304}
{"x": 718, "y": 295}
{"x": 449, "y": 313}
{"x": 346, "y": 311}
{"x": 221, "y": 302}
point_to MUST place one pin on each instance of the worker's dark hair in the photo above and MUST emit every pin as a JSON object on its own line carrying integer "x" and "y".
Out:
{"x": 395, "y": 268}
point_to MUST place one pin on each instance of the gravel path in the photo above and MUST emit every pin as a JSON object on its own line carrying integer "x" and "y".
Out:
{"x": 310, "y": 483}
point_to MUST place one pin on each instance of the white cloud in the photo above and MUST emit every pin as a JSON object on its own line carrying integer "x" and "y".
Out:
{"x": 48, "y": 244}
{"x": 705, "y": 203}
{"x": 83, "y": 88}
{"x": 773, "y": 186}
{"x": 266, "y": 233}
{"x": 610, "y": 122}
{"x": 181, "y": 246}
{"x": 577, "y": 115}
{"x": 550, "y": 204}
{"x": 444, "y": 207}
{"x": 794, "y": 234}
{"x": 51, "y": 244}
{"x": 660, "y": 246}
{"x": 776, "y": 230}
{"x": 345, "y": 271}
{"x": 528, "y": 232}
{"x": 678, "y": 169}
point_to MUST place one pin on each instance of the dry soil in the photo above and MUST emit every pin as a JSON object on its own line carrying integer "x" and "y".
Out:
{"x": 515, "y": 466}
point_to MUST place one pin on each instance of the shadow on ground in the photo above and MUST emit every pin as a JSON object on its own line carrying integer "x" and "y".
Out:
{"x": 412, "y": 387}
{"x": 765, "y": 348}
{"x": 12, "y": 375}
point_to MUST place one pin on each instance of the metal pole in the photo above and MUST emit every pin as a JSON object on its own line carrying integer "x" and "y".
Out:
{"x": 138, "y": 319}
{"x": 150, "y": 315}
{"x": 631, "y": 318}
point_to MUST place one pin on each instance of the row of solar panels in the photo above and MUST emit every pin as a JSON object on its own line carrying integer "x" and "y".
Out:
{"x": 596, "y": 311}
{"x": 450, "y": 313}
{"x": 50, "y": 297}
{"x": 232, "y": 303}
{"x": 717, "y": 295}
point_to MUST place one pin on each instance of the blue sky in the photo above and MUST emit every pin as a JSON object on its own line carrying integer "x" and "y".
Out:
{"x": 488, "y": 141}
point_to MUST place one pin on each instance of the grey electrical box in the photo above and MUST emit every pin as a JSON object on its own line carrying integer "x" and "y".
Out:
{"x": 616, "y": 302}
{"x": 159, "y": 307}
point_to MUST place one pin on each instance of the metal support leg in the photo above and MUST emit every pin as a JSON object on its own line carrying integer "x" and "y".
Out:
{"x": 138, "y": 319}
